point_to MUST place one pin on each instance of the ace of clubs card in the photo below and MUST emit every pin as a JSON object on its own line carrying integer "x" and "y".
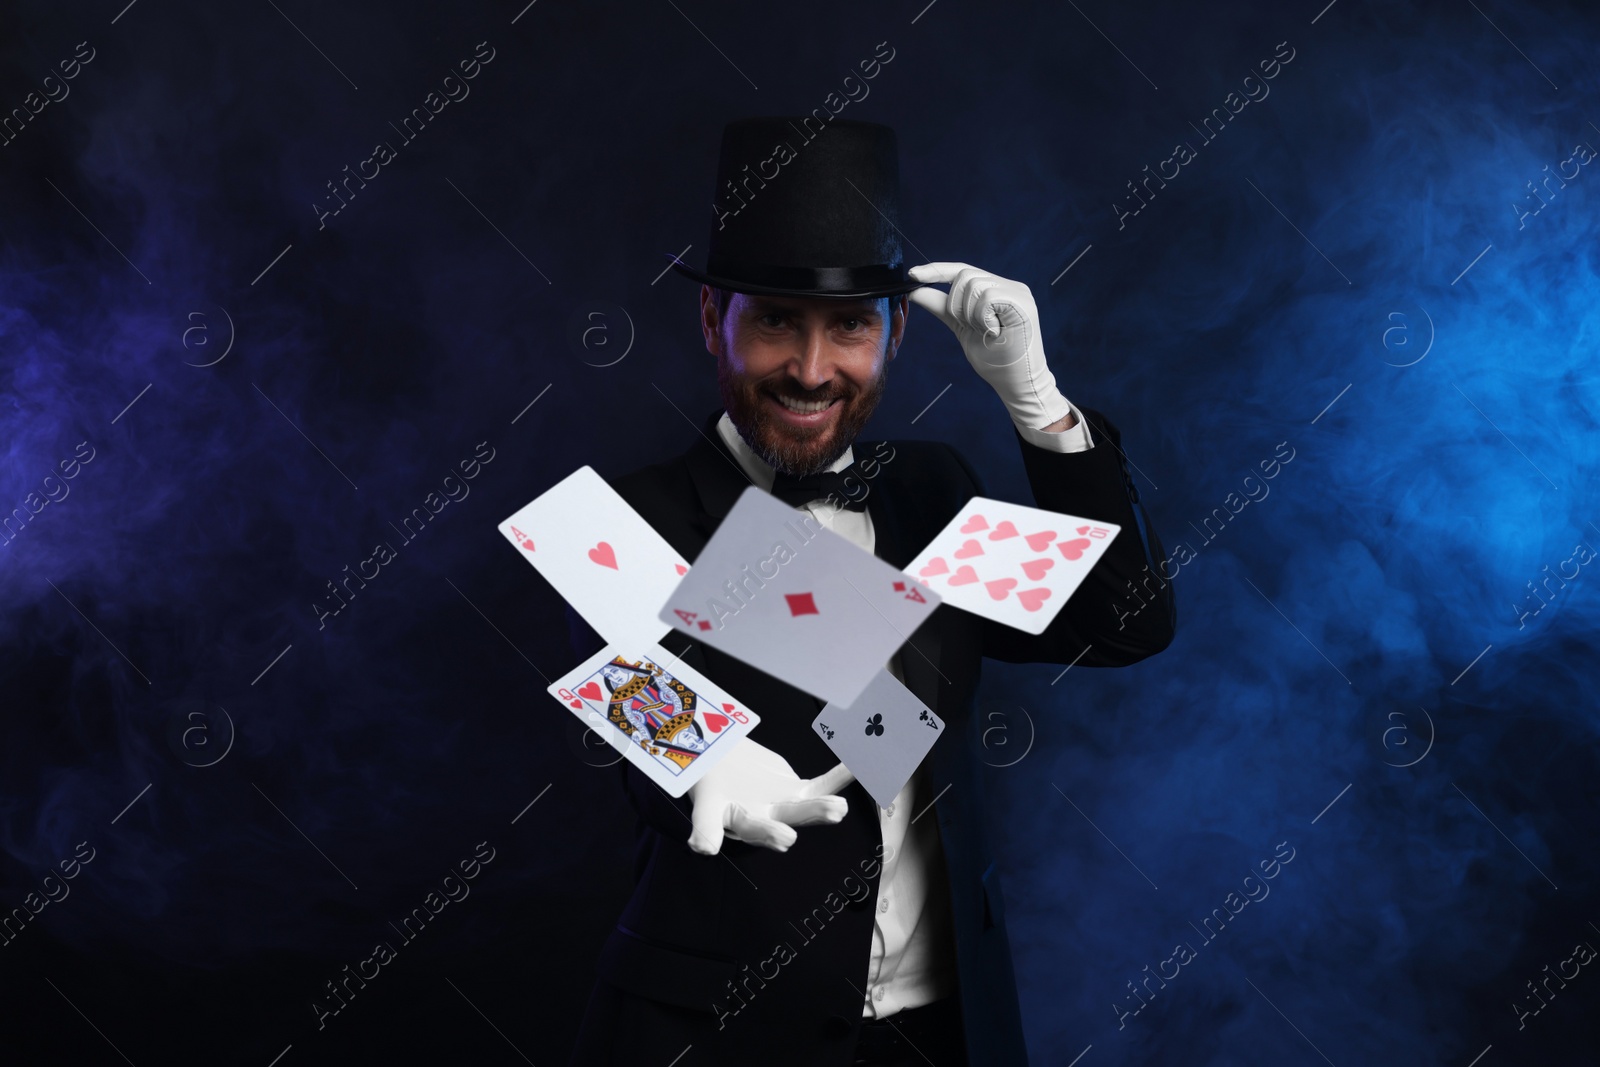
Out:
{"x": 882, "y": 737}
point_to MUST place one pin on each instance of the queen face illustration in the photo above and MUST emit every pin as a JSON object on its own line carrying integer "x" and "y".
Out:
{"x": 655, "y": 710}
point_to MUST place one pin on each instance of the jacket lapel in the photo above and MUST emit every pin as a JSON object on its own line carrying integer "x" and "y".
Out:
{"x": 717, "y": 476}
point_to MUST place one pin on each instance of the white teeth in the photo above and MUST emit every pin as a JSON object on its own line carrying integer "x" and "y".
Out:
{"x": 804, "y": 408}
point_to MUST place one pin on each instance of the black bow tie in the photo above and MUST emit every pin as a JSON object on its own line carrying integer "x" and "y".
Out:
{"x": 797, "y": 492}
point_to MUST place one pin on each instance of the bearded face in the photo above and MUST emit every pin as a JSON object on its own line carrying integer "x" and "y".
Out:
{"x": 800, "y": 377}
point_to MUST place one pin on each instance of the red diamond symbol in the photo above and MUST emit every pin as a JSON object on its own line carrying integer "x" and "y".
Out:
{"x": 801, "y": 604}
{"x": 899, "y": 587}
{"x": 705, "y": 624}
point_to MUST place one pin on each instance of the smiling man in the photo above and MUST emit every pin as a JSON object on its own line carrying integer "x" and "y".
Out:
{"x": 876, "y": 935}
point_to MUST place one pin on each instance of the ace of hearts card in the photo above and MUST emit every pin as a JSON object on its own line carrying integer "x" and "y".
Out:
{"x": 599, "y": 554}
{"x": 1011, "y": 563}
{"x": 666, "y": 718}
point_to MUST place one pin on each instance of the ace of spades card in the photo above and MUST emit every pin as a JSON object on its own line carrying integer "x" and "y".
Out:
{"x": 599, "y": 554}
{"x": 794, "y": 599}
{"x": 1014, "y": 564}
{"x": 882, "y": 737}
{"x": 668, "y": 719}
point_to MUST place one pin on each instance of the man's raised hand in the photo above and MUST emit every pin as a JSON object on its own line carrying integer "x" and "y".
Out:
{"x": 997, "y": 323}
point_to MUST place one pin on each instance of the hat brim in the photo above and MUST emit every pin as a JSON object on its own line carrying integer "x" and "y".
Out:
{"x": 737, "y": 286}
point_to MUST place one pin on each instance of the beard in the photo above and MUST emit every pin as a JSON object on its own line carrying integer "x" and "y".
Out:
{"x": 796, "y": 451}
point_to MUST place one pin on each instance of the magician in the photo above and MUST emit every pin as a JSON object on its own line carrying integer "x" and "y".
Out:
{"x": 871, "y": 935}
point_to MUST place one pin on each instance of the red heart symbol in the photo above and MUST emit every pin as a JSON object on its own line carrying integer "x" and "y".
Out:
{"x": 577, "y": 704}
{"x": 1074, "y": 549}
{"x": 1003, "y": 531}
{"x": 718, "y": 723}
{"x": 1000, "y": 587}
{"x": 528, "y": 544}
{"x": 604, "y": 555}
{"x": 936, "y": 565}
{"x": 1041, "y": 540}
{"x": 1032, "y": 598}
{"x": 964, "y": 576}
{"x": 977, "y": 522}
{"x": 590, "y": 691}
{"x": 681, "y": 568}
{"x": 1083, "y": 529}
{"x": 968, "y": 550}
{"x": 1035, "y": 568}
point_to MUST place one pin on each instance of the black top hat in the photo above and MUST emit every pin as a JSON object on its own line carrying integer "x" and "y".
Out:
{"x": 805, "y": 208}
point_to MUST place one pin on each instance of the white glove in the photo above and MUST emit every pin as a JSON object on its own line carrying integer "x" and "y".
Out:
{"x": 755, "y": 796}
{"x": 997, "y": 323}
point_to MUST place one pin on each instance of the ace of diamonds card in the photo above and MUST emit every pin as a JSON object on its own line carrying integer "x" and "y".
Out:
{"x": 796, "y": 600}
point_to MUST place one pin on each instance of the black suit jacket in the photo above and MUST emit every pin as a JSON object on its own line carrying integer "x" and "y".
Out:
{"x": 755, "y": 956}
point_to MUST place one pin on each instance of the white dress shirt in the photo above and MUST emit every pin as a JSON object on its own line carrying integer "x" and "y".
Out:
{"x": 913, "y": 951}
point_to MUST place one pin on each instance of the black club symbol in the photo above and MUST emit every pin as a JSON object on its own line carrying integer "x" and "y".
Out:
{"x": 875, "y": 726}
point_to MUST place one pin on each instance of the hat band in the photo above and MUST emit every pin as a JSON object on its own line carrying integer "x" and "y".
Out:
{"x": 815, "y": 279}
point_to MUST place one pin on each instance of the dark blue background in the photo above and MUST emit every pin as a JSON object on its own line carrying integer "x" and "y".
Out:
{"x": 1316, "y": 253}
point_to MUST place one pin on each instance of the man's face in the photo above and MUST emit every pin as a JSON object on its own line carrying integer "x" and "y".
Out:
{"x": 827, "y": 356}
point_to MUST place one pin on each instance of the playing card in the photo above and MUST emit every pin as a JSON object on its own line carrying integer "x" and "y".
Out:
{"x": 881, "y": 737}
{"x": 599, "y": 554}
{"x": 1014, "y": 564}
{"x": 668, "y": 719}
{"x": 775, "y": 588}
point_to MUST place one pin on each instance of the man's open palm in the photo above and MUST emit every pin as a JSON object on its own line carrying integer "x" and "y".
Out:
{"x": 754, "y": 796}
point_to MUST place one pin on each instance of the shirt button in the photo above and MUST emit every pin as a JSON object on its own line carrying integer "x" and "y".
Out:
{"x": 883, "y": 905}
{"x": 878, "y": 993}
{"x": 889, "y": 811}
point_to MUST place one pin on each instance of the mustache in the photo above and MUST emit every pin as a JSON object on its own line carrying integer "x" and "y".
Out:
{"x": 823, "y": 393}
